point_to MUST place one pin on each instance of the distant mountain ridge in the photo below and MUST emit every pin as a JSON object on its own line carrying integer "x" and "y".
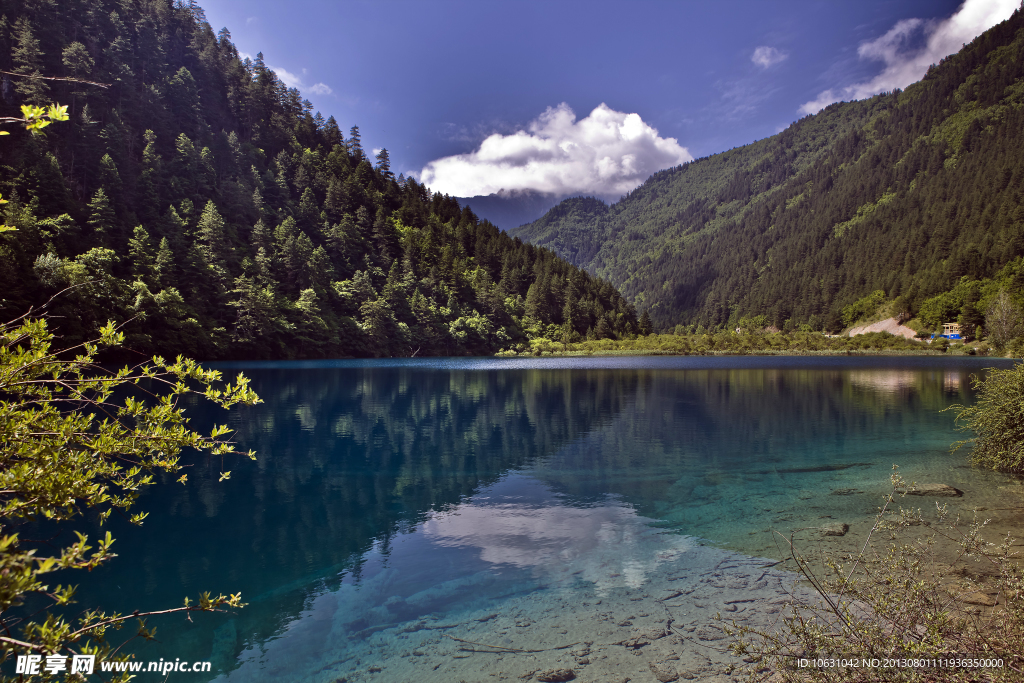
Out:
{"x": 509, "y": 210}
{"x": 906, "y": 192}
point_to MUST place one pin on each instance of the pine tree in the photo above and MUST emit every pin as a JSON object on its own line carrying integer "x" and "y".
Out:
{"x": 535, "y": 303}
{"x": 386, "y": 239}
{"x": 183, "y": 95}
{"x": 151, "y": 181}
{"x": 384, "y": 164}
{"x": 645, "y": 327}
{"x": 355, "y": 147}
{"x": 309, "y": 213}
{"x": 78, "y": 63}
{"x": 319, "y": 272}
{"x": 382, "y": 328}
{"x": 214, "y": 243}
{"x": 102, "y": 220}
{"x": 256, "y": 311}
{"x": 28, "y": 61}
{"x": 332, "y": 133}
{"x": 110, "y": 180}
{"x": 140, "y": 254}
{"x": 337, "y": 202}
{"x": 164, "y": 266}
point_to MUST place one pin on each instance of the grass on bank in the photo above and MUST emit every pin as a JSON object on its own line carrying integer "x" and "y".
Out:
{"x": 926, "y": 599}
{"x": 748, "y": 343}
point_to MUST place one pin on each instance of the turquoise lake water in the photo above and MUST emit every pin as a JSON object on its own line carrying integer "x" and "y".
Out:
{"x": 400, "y": 508}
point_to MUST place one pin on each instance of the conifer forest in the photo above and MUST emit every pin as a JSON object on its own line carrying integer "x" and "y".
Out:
{"x": 200, "y": 203}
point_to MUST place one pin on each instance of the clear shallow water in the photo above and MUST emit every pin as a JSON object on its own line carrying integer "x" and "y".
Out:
{"x": 395, "y": 503}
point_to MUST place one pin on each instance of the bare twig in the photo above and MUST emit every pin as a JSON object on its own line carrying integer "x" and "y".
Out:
{"x": 54, "y": 78}
{"x": 135, "y": 615}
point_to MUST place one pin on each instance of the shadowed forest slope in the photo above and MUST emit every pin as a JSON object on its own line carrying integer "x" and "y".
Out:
{"x": 202, "y": 202}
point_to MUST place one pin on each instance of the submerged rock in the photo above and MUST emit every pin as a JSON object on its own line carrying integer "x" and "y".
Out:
{"x": 979, "y": 599}
{"x": 835, "y": 529}
{"x": 934, "y": 490}
{"x": 636, "y": 643}
{"x": 555, "y": 675}
{"x": 664, "y": 673}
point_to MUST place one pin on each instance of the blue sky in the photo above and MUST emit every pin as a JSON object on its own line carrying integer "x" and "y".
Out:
{"x": 433, "y": 80}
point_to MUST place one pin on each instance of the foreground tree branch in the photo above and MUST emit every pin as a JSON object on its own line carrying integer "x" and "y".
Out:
{"x": 76, "y": 437}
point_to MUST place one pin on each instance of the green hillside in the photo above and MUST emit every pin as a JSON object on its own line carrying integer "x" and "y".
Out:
{"x": 908, "y": 192}
{"x": 202, "y": 203}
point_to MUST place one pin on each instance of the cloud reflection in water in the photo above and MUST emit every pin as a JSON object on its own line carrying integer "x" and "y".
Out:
{"x": 609, "y": 544}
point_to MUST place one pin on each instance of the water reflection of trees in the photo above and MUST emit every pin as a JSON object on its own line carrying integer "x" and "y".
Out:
{"x": 687, "y": 432}
{"x": 361, "y": 455}
{"x": 346, "y": 459}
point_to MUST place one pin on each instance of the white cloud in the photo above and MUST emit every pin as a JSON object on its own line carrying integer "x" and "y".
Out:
{"x": 904, "y": 65}
{"x": 765, "y": 56}
{"x": 608, "y": 153}
{"x": 824, "y": 98}
{"x": 287, "y": 77}
{"x": 295, "y": 81}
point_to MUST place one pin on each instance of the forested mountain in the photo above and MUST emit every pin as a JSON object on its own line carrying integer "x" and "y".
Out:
{"x": 908, "y": 192}
{"x": 204, "y": 202}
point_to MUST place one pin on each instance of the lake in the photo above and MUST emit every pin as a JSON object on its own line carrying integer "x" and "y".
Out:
{"x": 457, "y": 519}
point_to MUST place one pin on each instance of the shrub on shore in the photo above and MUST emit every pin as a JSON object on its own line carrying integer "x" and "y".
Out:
{"x": 997, "y": 419}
